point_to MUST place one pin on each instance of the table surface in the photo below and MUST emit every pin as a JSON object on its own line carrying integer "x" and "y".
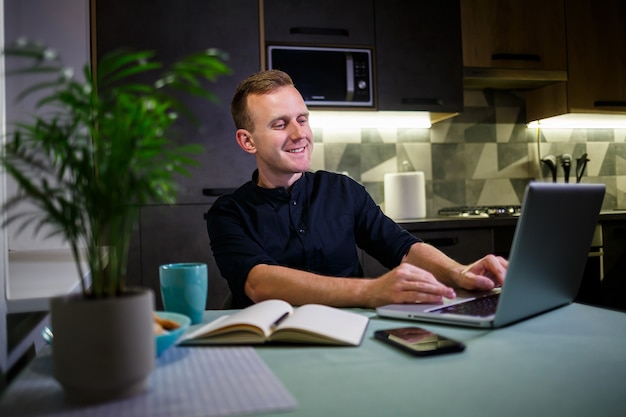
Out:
{"x": 567, "y": 362}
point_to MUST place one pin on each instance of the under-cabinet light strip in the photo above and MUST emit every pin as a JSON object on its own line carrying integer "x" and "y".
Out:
{"x": 581, "y": 121}
{"x": 369, "y": 119}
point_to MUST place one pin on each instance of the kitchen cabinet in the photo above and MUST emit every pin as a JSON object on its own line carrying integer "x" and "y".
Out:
{"x": 418, "y": 55}
{"x": 172, "y": 29}
{"x": 462, "y": 240}
{"x": 513, "y": 43}
{"x": 613, "y": 286}
{"x": 177, "y": 233}
{"x": 326, "y": 22}
{"x": 469, "y": 239}
{"x": 596, "y": 50}
{"x": 464, "y": 246}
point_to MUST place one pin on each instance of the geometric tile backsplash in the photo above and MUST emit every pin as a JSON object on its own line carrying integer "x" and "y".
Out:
{"x": 484, "y": 156}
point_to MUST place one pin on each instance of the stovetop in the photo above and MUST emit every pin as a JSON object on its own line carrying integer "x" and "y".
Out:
{"x": 481, "y": 211}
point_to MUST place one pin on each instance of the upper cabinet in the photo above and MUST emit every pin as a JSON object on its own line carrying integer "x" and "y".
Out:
{"x": 515, "y": 43}
{"x": 418, "y": 55}
{"x": 327, "y": 22}
{"x": 416, "y": 44}
{"x": 596, "y": 50}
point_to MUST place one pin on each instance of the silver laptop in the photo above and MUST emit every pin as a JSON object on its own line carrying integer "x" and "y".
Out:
{"x": 546, "y": 262}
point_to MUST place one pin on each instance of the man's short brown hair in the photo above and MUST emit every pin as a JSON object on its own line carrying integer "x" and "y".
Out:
{"x": 263, "y": 82}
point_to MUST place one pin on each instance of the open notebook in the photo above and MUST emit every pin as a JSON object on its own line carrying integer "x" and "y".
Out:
{"x": 546, "y": 261}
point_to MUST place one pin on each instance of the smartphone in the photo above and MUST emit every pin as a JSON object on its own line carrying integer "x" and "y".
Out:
{"x": 418, "y": 341}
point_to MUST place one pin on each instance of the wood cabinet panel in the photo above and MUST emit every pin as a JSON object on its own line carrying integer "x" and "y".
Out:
{"x": 596, "y": 37}
{"x": 528, "y": 34}
{"x": 596, "y": 48}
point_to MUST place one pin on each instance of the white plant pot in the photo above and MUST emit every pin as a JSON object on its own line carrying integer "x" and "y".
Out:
{"x": 103, "y": 349}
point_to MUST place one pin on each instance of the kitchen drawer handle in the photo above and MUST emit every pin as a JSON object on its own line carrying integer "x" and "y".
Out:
{"x": 442, "y": 241}
{"x": 422, "y": 101}
{"x": 609, "y": 103}
{"x": 319, "y": 31}
{"x": 515, "y": 57}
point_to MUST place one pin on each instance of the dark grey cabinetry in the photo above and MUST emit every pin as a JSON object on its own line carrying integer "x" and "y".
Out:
{"x": 464, "y": 242}
{"x": 172, "y": 29}
{"x": 330, "y": 22}
{"x": 418, "y": 51}
{"x": 464, "y": 246}
{"x": 613, "y": 286}
{"x": 176, "y": 234}
{"x": 419, "y": 58}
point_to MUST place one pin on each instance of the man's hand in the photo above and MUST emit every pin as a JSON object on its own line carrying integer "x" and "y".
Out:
{"x": 407, "y": 284}
{"x": 484, "y": 274}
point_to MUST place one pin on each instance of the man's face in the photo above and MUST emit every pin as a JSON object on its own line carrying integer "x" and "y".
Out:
{"x": 282, "y": 140}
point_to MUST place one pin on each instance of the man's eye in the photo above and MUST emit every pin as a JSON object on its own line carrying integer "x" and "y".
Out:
{"x": 280, "y": 125}
{"x": 303, "y": 120}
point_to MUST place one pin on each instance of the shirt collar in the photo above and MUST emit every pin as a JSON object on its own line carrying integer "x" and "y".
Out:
{"x": 279, "y": 191}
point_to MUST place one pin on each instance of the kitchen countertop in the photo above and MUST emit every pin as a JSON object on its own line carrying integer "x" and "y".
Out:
{"x": 37, "y": 275}
{"x": 453, "y": 222}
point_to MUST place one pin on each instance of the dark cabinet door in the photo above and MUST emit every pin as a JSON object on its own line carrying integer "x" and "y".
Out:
{"x": 346, "y": 22}
{"x": 173, "y": 29}
{"x": 419, "y": 55}
{"x": 463, "y": 245}
{"x": 177, "y": 234}
{"x": 514, "y": 34}
{"x": 596, "y": 40}
{"x": 596, "y": 58}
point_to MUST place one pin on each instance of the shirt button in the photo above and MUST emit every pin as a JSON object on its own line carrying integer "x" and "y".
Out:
{"x": 302, "y": 231}
{"x": 294, "y": 203}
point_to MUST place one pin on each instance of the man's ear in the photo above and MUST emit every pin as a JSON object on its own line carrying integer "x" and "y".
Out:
{"x": 245, "y": 141}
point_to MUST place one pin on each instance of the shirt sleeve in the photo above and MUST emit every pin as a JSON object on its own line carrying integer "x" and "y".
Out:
{"x": 234, "y": 252}
{"x": 377, "y": 234}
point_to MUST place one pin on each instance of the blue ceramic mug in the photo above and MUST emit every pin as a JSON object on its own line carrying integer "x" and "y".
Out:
{"x": 184, "y": 289}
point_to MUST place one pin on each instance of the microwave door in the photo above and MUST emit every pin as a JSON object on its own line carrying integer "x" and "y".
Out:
{"x": 326, "y": 76}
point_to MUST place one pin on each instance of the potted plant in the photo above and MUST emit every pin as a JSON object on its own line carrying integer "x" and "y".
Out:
{"x": 93, "y": 153}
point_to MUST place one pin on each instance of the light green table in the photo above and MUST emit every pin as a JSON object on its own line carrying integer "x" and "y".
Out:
{"x": 568, "y": 362}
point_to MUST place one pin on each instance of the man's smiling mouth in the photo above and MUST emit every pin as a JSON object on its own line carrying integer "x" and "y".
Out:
{"x": 298, "y": 150}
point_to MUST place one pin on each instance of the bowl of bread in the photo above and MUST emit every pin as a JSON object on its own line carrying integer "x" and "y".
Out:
{"x": 168, "y": 327}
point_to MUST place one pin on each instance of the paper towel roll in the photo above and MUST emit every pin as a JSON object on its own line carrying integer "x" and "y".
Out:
{"x": 405, "y": 195}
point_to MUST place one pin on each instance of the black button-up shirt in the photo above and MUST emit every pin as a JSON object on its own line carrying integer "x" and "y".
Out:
{"x": 316, "y": 227}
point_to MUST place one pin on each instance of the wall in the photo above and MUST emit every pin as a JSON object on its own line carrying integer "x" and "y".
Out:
{"x": 4, "y": 259}
{"x": 484, "y": 156}
{"x": 62, "y": 25}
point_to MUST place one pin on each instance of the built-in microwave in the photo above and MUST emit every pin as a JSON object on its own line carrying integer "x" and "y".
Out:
{"x": 327, "y": 76}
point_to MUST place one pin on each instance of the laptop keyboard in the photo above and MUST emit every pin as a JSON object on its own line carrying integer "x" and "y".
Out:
{"x": 479, "y": 307}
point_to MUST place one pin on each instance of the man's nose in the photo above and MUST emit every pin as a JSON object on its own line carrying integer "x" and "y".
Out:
{"x": 296, "y": 131}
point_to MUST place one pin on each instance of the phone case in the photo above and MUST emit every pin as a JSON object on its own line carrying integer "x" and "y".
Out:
{"x": 434, "y": 347}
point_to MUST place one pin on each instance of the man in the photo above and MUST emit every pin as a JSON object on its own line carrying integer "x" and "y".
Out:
{"x": 290, "y": 233}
